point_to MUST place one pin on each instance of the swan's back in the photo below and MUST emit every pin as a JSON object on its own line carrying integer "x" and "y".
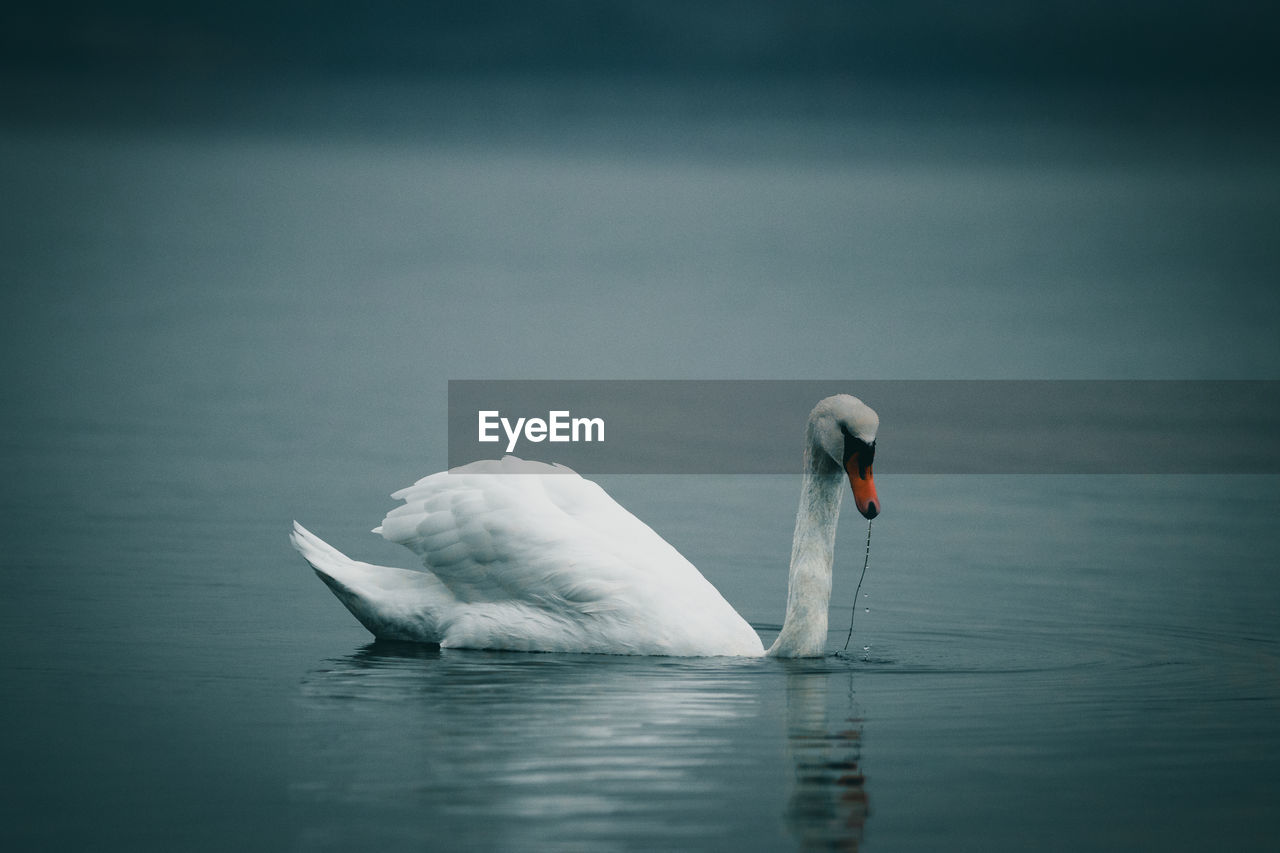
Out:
{"x": 534, "y": 557}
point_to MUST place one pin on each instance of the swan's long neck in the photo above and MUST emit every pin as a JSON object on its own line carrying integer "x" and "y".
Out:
{"x": 804, "y": 631}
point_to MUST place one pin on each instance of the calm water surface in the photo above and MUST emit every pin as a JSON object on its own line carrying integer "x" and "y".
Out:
{"x": 214, "y": 331}
{"x": 1024, "y": 669}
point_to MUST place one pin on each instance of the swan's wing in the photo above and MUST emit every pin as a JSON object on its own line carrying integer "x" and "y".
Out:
{"x": 542, "y": 540}
{"x": 394, "y": 604}
{"x": 517, "y": 529}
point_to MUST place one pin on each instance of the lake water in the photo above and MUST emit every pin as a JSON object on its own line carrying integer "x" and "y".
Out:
{"x": 216, "y": 326}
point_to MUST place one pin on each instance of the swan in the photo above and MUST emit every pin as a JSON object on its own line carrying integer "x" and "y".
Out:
{"x": 526, "y": 556}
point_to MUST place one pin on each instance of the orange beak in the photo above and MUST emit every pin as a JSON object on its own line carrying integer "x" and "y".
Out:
{"x": 864, "y": 488}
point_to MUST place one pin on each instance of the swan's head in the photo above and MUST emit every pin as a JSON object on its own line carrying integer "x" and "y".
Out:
{"x": 845, "y": 427}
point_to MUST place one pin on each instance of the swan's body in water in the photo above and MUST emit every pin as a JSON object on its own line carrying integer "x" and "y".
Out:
{"x": 531, "y": 557}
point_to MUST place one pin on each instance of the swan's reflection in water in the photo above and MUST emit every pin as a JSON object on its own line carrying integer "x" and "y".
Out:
{"x": 827, "y": 809}
{"x": 495, "y": 750}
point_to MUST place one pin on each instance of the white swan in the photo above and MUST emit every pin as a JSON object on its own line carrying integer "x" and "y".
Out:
{"x": 526, "y": 556}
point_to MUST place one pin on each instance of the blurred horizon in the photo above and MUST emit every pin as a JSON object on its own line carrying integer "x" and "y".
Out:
{"x": 1109, "y": 169}
{"x": 1192, "y": 44}
{"x": 1122, "y": 84}
{"x": 1137, "y": 59}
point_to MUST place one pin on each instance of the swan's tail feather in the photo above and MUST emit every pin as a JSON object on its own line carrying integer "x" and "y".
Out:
{"x": 394, "y": 604}
{"x": 319, "y": 553}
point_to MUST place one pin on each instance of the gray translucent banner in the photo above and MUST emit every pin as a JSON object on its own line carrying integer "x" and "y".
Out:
{"x": 926, "y": 426}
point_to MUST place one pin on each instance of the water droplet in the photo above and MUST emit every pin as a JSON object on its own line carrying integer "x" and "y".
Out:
{"x": 866, "y": 610}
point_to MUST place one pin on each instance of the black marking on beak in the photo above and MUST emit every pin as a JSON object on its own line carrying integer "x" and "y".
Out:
{"x": 866, "y": 452}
